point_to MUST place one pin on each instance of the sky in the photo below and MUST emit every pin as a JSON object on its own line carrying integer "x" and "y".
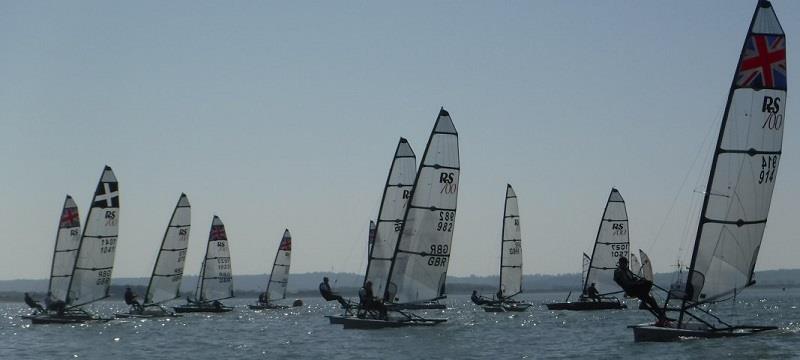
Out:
{"x": 278, "y": 115}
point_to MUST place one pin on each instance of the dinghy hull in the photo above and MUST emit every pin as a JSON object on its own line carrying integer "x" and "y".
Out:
{"x": 67, "y": 318}
{"x": 507, "y": 307}
{"x": 587, "y": 305}
{"x": 267, "y": 307}
{"x": 201, "y": 309}
{"x": 370, "y": 324}
{"x": 418, "y": 306}
{"x": 652, "y": 333}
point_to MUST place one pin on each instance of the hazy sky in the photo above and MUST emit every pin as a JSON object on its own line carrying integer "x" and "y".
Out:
{"x": 286, "y": 114}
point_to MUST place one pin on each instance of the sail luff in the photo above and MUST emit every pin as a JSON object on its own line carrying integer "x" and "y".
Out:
{"x": 171, "y": 255}
{"x": 419, "y": 268}
{"x": 396, "y": 192}
{"x": 91, "y": 275}
{"x": 65, "y": 250}
{"x": 737, "y": 200}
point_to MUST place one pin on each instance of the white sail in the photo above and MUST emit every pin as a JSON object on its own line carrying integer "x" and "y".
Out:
{"x": 216, "y": 281}
{"x": 611, "y": 243}
{"x": 585, "y": 267}
{"x": 165, "y": 282}
{"x": 744, "y": 166}
{"x": 68, "y": 239}
{"x": 279, "y": 277}
{"x": 390, "y": 216}
{"x": 511, "y": 247}
{"x": 634, "y": 265}
{"x": 647, "y": 267}
{"x": 91, "y": 277}
{"x": 422, "y": 255}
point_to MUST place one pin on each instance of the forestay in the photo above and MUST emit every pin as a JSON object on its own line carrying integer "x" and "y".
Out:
{"x": 68, "y": 238}
{"x": 216, "y": 279}
{"x": 165, "y": 282}
{"x": 396, "y": 193}
{"x": 647, "y": 267}
{"x": 511, "y": 246}
{"x": 279, "y": 277}
{"x": 744, "y": 166}
{"x": 91, "y": 277}
{"x": 611, "y": 243}
{"x": 422, "y": 254}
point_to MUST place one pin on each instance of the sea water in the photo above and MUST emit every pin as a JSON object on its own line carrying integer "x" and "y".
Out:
{"x": 469, "y": 333}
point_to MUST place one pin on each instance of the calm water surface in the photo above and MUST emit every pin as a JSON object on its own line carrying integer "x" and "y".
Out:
{"x": 305, "y": 333}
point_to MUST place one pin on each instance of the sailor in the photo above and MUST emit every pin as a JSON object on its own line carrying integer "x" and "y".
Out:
{"x": 369, "y": 301}
{"x": 262, "y": 298}
{"x": 477, "y": 299}
{"x": 33, "y": 303}
{"x": 130, "y": 299}
{"x": 638, "y": 287}
{"x": 328, "y": 294}
{"x": 592, "y": 293}
{"x": 500, "y": 295}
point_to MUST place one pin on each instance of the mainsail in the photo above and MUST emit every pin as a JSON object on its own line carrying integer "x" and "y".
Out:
{"x": 91, "y": 276}
{"x": 165, "y": 282}
{"x": 744, "y": 166}
{"x": 585, "y": 267}
{"x": 647, "y": 268}
{"x": 68, "y": 238}
{"x": 422, "y": 254}
{"x": 634, "y": 265}
{"x": 611, "y": 243}
{"x": 279, "y": 277}
{"x": 396, "y": 193}
{"x": 216, "y": 281}
{"x": 511, "y": 247}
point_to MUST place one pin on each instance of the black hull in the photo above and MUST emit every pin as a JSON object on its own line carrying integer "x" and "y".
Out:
{"x": 267, "y": 307}
{"x": 418, "y": 306}
{"x": 507, "y": 307}
{"x": 587, "y": 305}
{"x": 201, "y": 309}
{"x": 352, "y": 322}
{"x": 652, "y": 333}
{"x": 66, "y": 318}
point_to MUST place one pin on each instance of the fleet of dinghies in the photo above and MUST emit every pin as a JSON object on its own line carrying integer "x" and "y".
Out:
{"x": 410, "y": 242}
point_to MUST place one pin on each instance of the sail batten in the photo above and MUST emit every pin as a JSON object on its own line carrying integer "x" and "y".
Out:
{"x": 611, "y": 243}
{"x": 165, "y": 281}
{"x": 419, "y": 270}
{"x": 744, "y": 166}
{"x": 396, "y": 193}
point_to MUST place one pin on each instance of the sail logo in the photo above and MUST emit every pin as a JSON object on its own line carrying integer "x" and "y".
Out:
{"x": 449, "y": 184}
{"x": 111, "y": 218}
{"x": 772, "y": 106}
{"x": 618, "y": 229}
{"x": 446, "y": 178}
{"x": 406, "y": 194}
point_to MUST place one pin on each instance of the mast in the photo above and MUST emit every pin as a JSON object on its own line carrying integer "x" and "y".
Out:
{"x": 396, "y": 193}
{"x": 91, "y": 275}
{"x": 749, "y": 141}
{"x": 65, "y": 250}
{"x": 418, "y": 270}
{"x": 165, "y": 280}
{"x": 280, "y": 267}
{"x": 612, "y": 237}
{"x": 511, "y": 247}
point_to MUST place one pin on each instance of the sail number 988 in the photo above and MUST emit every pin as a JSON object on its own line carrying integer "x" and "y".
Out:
{"x": 446, "y": 219}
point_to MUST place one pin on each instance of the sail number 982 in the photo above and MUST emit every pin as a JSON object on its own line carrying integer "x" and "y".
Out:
{"x": 446, "y": 219}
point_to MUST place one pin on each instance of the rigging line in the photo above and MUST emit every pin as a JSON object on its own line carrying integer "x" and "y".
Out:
{"x": 685, "y": 178}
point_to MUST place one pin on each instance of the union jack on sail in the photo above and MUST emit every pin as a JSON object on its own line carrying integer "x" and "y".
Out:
{"x": 763, "y": 63}
{"x": 218, "y": 233}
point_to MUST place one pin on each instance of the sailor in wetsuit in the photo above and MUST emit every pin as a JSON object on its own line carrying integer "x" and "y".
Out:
{"x": 638, "y": 287}
{"x": 369, "y": 302}
{"x": 329, "y": 295}
{"x": 592, "y": 293}
{"x": 33, "y": 303}
{"x": 477, "y": 299}
{"x": 130, "y": 299}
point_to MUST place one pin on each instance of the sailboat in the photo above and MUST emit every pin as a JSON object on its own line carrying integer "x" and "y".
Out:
{"x": 215, "y": 282}
{"x": 419, "y": 260}
{"x": 739, "y": 189}
{"x": 510, "y": 259}
{"x": 611, "y": 243}
{"x": 82, "y": 275}
{"x": 278, "y": 278}
{"x": 165, "y": 280}
{"x": 384, "y": 233}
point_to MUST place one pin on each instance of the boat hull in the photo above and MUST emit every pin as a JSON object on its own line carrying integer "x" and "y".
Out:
{"x": 352, "y": 322}
{"x": 267, "y": 307}
{"x": 586, "y": 305}
{"x": 652, "y": 333}
{"x": 67, "y": 318}
{"x": 192, "y": 308}
{"x": 418, "y": 306}
{"x": 507, "y": 307}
